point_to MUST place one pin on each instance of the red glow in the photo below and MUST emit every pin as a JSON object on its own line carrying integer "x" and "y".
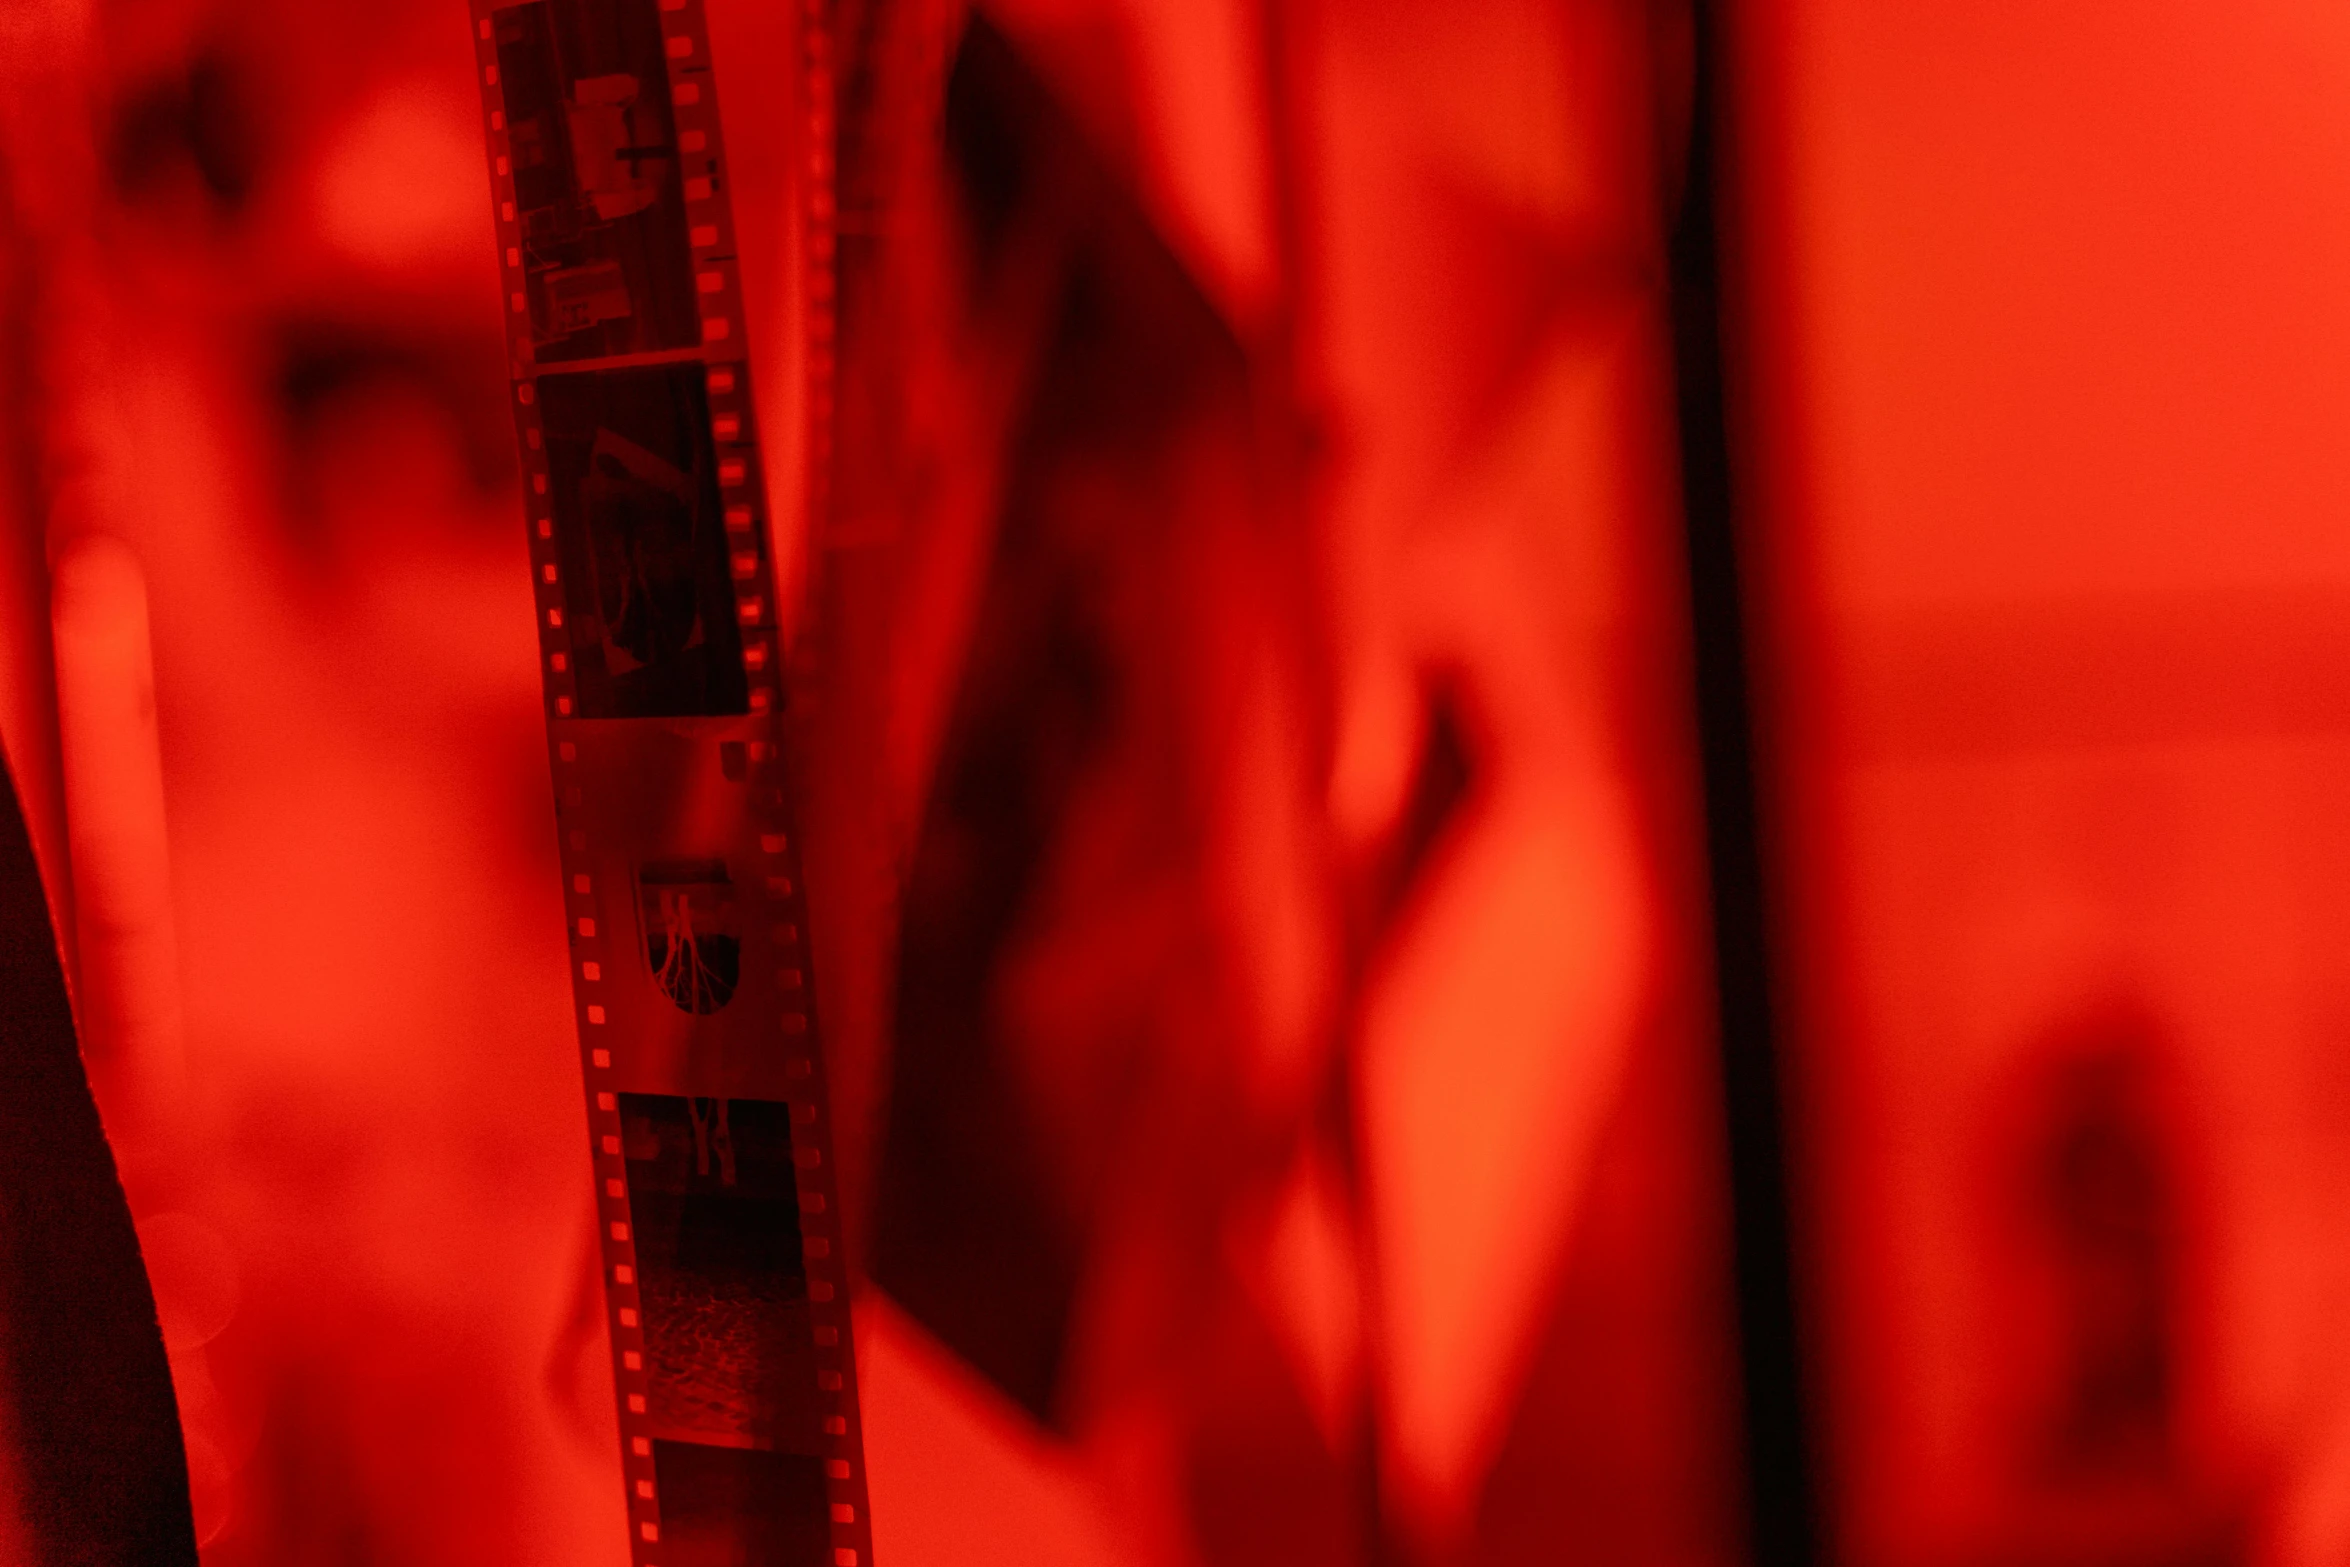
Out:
{"x": 2055, "y": 378}
{"x": 1257, "y": 882}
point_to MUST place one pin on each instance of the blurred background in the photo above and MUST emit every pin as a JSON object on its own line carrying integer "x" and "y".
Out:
{"x": 1412, "y": 975}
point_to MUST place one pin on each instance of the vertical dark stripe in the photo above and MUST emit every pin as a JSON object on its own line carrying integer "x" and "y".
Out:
{"x": 1783, "y": 1519}
{"x": 81, "y": 1358}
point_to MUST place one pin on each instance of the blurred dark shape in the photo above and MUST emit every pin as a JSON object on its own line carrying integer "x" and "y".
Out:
{"x": 103, "y": 1478}
{"x": 1439, "y": 784}
{"x": 320, "y": 364}
{"x": 2108, "y": 1475}
{"x": 980, "y": 1229}
{"x": 2104, "y": 1199}
{"x": 1783, "y": 1523}
{"x": 199, "y": 122}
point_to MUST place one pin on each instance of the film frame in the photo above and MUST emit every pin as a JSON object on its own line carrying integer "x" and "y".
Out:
{"x": 655, "y": 597}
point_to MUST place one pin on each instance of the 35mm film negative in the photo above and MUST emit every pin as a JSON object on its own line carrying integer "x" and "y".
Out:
{"x": 656, "y": 602}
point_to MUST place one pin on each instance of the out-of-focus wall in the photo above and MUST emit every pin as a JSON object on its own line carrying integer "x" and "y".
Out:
{"x": 2052, "y": 355}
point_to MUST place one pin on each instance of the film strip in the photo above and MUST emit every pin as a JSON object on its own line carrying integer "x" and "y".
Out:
{"x": 656, "y": 600}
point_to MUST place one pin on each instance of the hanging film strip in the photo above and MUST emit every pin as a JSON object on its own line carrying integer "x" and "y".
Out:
{"x": 656, "y": 602}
